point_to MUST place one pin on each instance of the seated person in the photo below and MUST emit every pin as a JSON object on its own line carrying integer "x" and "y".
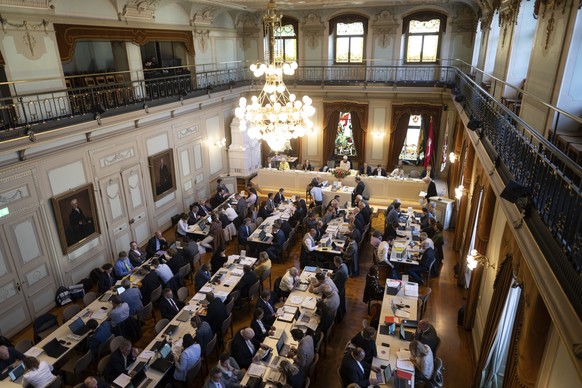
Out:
{"x": 106, "y": 279}
{"x": 398, "y": 172}
{"x": 427, "y": 172}
{"x": 163, "y": 270}
{"x": 156, "y": 243}
{"x": 189, "y": 356}
{"x": 175, "y": 260}
{"x": 202, "y": 276}
{"x": 101, "y": 334}
{"x": 122, "y": 265}
{"x": 365, "y": 169}
{"x": 245, "y": 348}
{"x": 307, "y": 166}
{"x": 8, "y": 356}
{"x": 94, "y": 382}
{"x": 264, "y": 210}
{"x": 284, "y": 165}
{"x": 169, "y": 307}
{"x": 424, "y": 218}
{"x": 203, "y": 330}
{"x": 120, "y": 360}
{"x": 263, "y": 264}
{"x": 119, "y": 311}
{"x": 294, "y": 375}
{"x": 279, "y": 197}
{"x": 136, "y": 255}
{"x": 288, "y": 282}
{"x": 270, "y": 312}
{"x": 422, "y": 358}
{"x": 366, "y": 339}
{"x": 131, "y": 296}
{"x": 218, "y": 260}
{"x": 379, "y": 171}
{"x": 37, "y": 374}
{"x": 259, "y": 328}
{"x": 231, "y": 372}
{"x": 182, "y": 226}
{"x": 246, "y": 281}
{"x": 427, "y": 258}
{"x": 345, "y": 164}
{"x": 373, "y": 289}
{"x": 426, "y": 333}
{"x": 319, "y": 282}
{"x": 354, "y": 370}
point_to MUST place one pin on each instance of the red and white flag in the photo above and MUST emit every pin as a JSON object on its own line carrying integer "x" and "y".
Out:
{"x": 429, "y": 145}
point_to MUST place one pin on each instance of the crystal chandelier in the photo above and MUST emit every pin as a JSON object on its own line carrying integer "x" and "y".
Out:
{"x": 276, "y": 115}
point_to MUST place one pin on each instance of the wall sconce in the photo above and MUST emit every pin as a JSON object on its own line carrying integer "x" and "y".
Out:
{"x": 220, "y": 143}
{"x": 453, "y": 157}
{"x": 474, "y": 258}
{"x": 378, "y": 134}
{"x": 459, "y": 191}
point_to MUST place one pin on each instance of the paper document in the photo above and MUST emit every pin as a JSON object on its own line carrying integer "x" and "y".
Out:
{"x": 232, "y": 281}
{"x": 221, "y": 294}
{"x": 122, "y": 380}
{"x": 411, "y": 289}
{"x": 403, "y": 354}
{"x": 310, "y": 303}
{"x": 146, "y": 355}
{"x": 405, "y": 364}
{"x": 402, "y": 313}
{"x": 246, "y": 261}
{"x": 99, "y": 315}
{"x": 206, "y": 289}
{"x": 74, "y": 337}
{"x": 237, "y": 272}
{"x": 199, "y": 296}
{"x": 295, "y": 300}
{"x": 256, "y": 370}
{"x": 34, "y": 352}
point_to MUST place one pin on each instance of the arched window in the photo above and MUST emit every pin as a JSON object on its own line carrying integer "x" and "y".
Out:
{"x": 422, "y": 32}
{"x": 286, "y": 41}
{"x": 349, "y": 32}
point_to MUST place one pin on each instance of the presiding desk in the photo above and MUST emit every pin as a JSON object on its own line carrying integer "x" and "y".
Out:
{"x": 382, "y": 190}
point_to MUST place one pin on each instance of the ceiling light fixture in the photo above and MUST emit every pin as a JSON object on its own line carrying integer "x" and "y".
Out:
{"x": 276, "y": 115}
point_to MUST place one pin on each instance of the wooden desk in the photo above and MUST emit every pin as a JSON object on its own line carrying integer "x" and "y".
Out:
{"x": 283, "y": 211}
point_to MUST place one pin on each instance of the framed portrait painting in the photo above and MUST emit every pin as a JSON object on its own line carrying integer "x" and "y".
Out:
{"x": 76, "y": 216}
{"x": 162, "y": 174}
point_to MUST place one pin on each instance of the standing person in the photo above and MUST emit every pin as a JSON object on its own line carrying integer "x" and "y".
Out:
{"x": 317, "y": 195}
{"x": 203, "y": 330}
{"x": 373, "y": 290}
{"x": 359, "y": 190}
{"x": 305, "y": 352}
{"x": 340, "y": 278}
{"x": 37, "y": 374}
{"x": 275, "y": 250}
{"x": 439, "y": 242}
{"x": 350, "y": 254}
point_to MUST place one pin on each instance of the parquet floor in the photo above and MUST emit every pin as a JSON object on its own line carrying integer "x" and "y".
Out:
{"x": 445, "y": 300}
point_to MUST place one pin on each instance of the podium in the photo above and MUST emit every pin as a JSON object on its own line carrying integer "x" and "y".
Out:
{"x": 444, "y": 209}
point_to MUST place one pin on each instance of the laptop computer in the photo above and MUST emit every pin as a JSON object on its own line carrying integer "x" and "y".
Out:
{"x": 385, "y": 375}
{"x": 411, "y": 323}
{"x": 139, "y": 375}
{"x": 120, "y": 290}
{"x": 202, "y": 225}
{"x": 171, "y": 330}
{"x": 282, "y": 347}
{"x": 105, "y": 297}
{"x": 78, "y": 327}
{"x": 406, "y": 335}
{"x": 183, "y": 316}
{"x": 165, "y": 361}
{"x": 54, "y": 348}
{"x": 16, "y": 372}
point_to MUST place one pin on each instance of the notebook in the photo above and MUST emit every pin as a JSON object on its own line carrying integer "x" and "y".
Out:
{"x": 54, "y": 348}
{"x": 183, "y": 316}
{"x": 120, "y": 290}
{"x": 164, "y": 362}
{"x": 78, "y": 327}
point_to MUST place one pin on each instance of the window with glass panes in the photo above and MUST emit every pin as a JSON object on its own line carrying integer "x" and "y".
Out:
{"x": 349, "y": 36}
{"x": 286, "y": 41}
{"x": 423, "y": 33}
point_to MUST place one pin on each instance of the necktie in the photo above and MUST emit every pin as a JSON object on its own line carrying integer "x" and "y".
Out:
{"x": 270, "y": 308}
{"x": 126, "y": 265}
{"x": 248, "y": 231}
{"x": 173, "y": 304}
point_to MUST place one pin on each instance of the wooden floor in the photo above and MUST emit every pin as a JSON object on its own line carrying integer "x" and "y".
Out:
{"x": 445, "y": 300}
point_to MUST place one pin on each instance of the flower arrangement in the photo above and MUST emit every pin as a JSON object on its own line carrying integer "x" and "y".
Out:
{"x": 340, "y": 173}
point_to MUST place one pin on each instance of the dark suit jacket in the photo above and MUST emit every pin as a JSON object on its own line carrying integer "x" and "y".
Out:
{"x": 278, "y": 198}
{"x": 359, "y": 189}
{"x": 308, "y": 167}
{"x": 246, "y": 281}
{"x": 381, "y": 173}
{"x": 136, "y": 258}
{"x": 151, "y": 248}
{"x": 366, "y": 213}
{"x": 286, "y": 228}
{"x": 190, "y": 251}
{"x": 177, "y": 262}
{"x": 243, "y": 234}
{"x": 117, "y": 365}
{"x": 149, "y": 283}
{"x": 259, "y": 335}
{"x": 264, "y": 212}
{"x": 426, "y": 259}
{"x": 351, "y": 372}
{"x": 360, "y": 223}
{"x": 106, "y": 281}
{"x": 242, "y": 207}
{"x": 215, "y": 315}
{"x": 368, "y": 170}
{"x": 268, "y": 318}
{"x": 203, "y": 211}
{"x": 279, "y": 239}
{"x": 241, "y": 352}
{"x": 167, "y": 310}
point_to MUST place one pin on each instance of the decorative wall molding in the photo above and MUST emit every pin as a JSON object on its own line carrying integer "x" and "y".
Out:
{"x": 116, "y": 158}
{"x": 202, "y": 37}
{"x": 508, "y": 17}
{"x": 247, "y": 29}
{"x": 139, "y": 9}
{"x": 188, "y": 131}
{"x": 14, "y": 194}
{"x": 28, "y": 37}
{"x": 552, "y": 6}
{"x": 40, "y": 4}
{"x": 312, "y": 29}
{"x": 205, "y": 16}
{"x": 384, "y": 27}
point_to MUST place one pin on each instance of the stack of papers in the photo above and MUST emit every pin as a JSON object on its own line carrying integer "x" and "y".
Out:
{"x": 199, "y": 296}
{"x": 237, "y": 272}
{"x": 405, "y": 365}
{"x": 34, "y": 352}
{"x": 256, "y": 370}
{"x": 411, "y": 289}
{"x": 232, "y": 281}
{"x": 206, "y": 289}
{"x": 297, "y": 300}
{"x": 310, "y": 303}
{"x": 221, "y": 294}
{"x": 99, "y": 315}
{"x": 402, "y": 313}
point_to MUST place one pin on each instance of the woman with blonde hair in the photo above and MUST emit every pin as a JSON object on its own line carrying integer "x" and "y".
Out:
{"x": 263, "y": 264}
{"x": 295, "y": 376}
{"x": 422, "y": 359}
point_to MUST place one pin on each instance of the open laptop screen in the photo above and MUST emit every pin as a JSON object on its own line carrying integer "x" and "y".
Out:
{"x": 76, "y": 325}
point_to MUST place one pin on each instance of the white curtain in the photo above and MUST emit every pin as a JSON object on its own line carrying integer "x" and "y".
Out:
{"x": 492, "y": 375}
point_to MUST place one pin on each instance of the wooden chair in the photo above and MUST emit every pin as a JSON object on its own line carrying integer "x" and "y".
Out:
{"x": 145, "y": 313}
{"x": 104, "y": 347}
{"x": 312, "y": 370}
{"x": 428, "y": 273}
{"x": 116, "y": 343}
{"x": 327, "y": 340}
{"x": 317, "y": 346}
{"x": 193, "y": 373}
{"x": 75, "y": 368}
{"x": 229, "y": 306}
{"x": 89, "y": 298}
{"x": 224, "y": 329}
{"x": 70, "y": 311}
{"x": 253, "y": 290}
{"x": 156, "y": 294}
{"x": 162, "y": 323}
{"x": 210, "y": 347}
{"x": 183, "y": 293}
{"x": 23, "y": 345}
{"x": 424, "y": 298}
{"x": 102, "y": 365}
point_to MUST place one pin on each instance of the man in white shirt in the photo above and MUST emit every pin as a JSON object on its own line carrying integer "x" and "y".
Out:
{"x": 317, "y": 195}
{"x": 383, "y": 251}
{"x": 288, "y": 282}
{"x": 163, "y": 271}
{"x": 398, "y": 172}
{"x": 251, "y": 199}
{"x": 230, "y": 213}
{"x": 345, "y": 164}
{"x": 321, "y": 280}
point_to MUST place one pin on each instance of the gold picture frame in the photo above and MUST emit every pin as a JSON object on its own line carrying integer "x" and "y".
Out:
{"x": 162, "y": 173}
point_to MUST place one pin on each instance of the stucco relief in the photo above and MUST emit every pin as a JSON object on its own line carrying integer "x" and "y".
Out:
{"x": 384, "y": 27}
{"x": 312, "y": 29}
{"x": 28, "y": 36}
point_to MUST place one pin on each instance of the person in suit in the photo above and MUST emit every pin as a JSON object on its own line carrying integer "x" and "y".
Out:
{"x": 270, "y": 202}
{"x": 101, "y": 333}
{"x": 364, "y": 210}
{"x": 246, "y": 281}
{"x": 169, "y": 307}
{"x": 264, "y": 210}
{"x": 203, "y": 331}
{"x": 8, "y": 356}
{"x": 189, "y": 249}
{"x": 279, "y": 197}
{"x": 359, "y": 220}
{"x": 217, "y": 260}
{"x": 259, "y": 328}
{"x": 189, "y": 356}
{"x": 359, "y": 190}
{"x": 135, "y": 254}
{"x": 366, "y": 339}
{"x": 353, "y": 232}
{"x": 427, "y": 172}
{"x": 165, "y": 182}
{"x": 215, "y": 313}
{"x": 245, "y": 346}
{"x": 307, "y": 166}
{"x": 270, "y": 312}
{"x": 215, "y": 379}
{"x": 220, "y": 185}
{"x": 350, "y": 254}
{"x": 354, "y": 370}
{"x": 379, "y": 171}
{"x": 285, "y": 226}
{"x": 426, "y": 333}
{"x": 156, "y": 243}
{"x": 150, "y": 282}
{"x": 244, "y": 233}
{"x": 106, "y": 279}
{"x": 120, "y": 360}
{"x": 340, "y": 277}
{"x": 131, "y": 296}
{"x": 305, "y": 353}
{"x": 242, "y": 206}
{"x": 175, "y": 260}
{"x": 365, "y": 169}
{"x": 193, "y": 216}
{"x": 218, "y": 198}
{"x": 428, "y": 256}
{"x": 204, "y": 208}
{"x": 202, "y": 276}
{"x": 431, "y": 190}
{"x": 274, "y": 251}
{"x": 122, "y": 266}
{"x": 80, "y": 225}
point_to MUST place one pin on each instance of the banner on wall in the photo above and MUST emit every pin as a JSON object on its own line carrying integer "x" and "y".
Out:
{"x": 429, "y": 145}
